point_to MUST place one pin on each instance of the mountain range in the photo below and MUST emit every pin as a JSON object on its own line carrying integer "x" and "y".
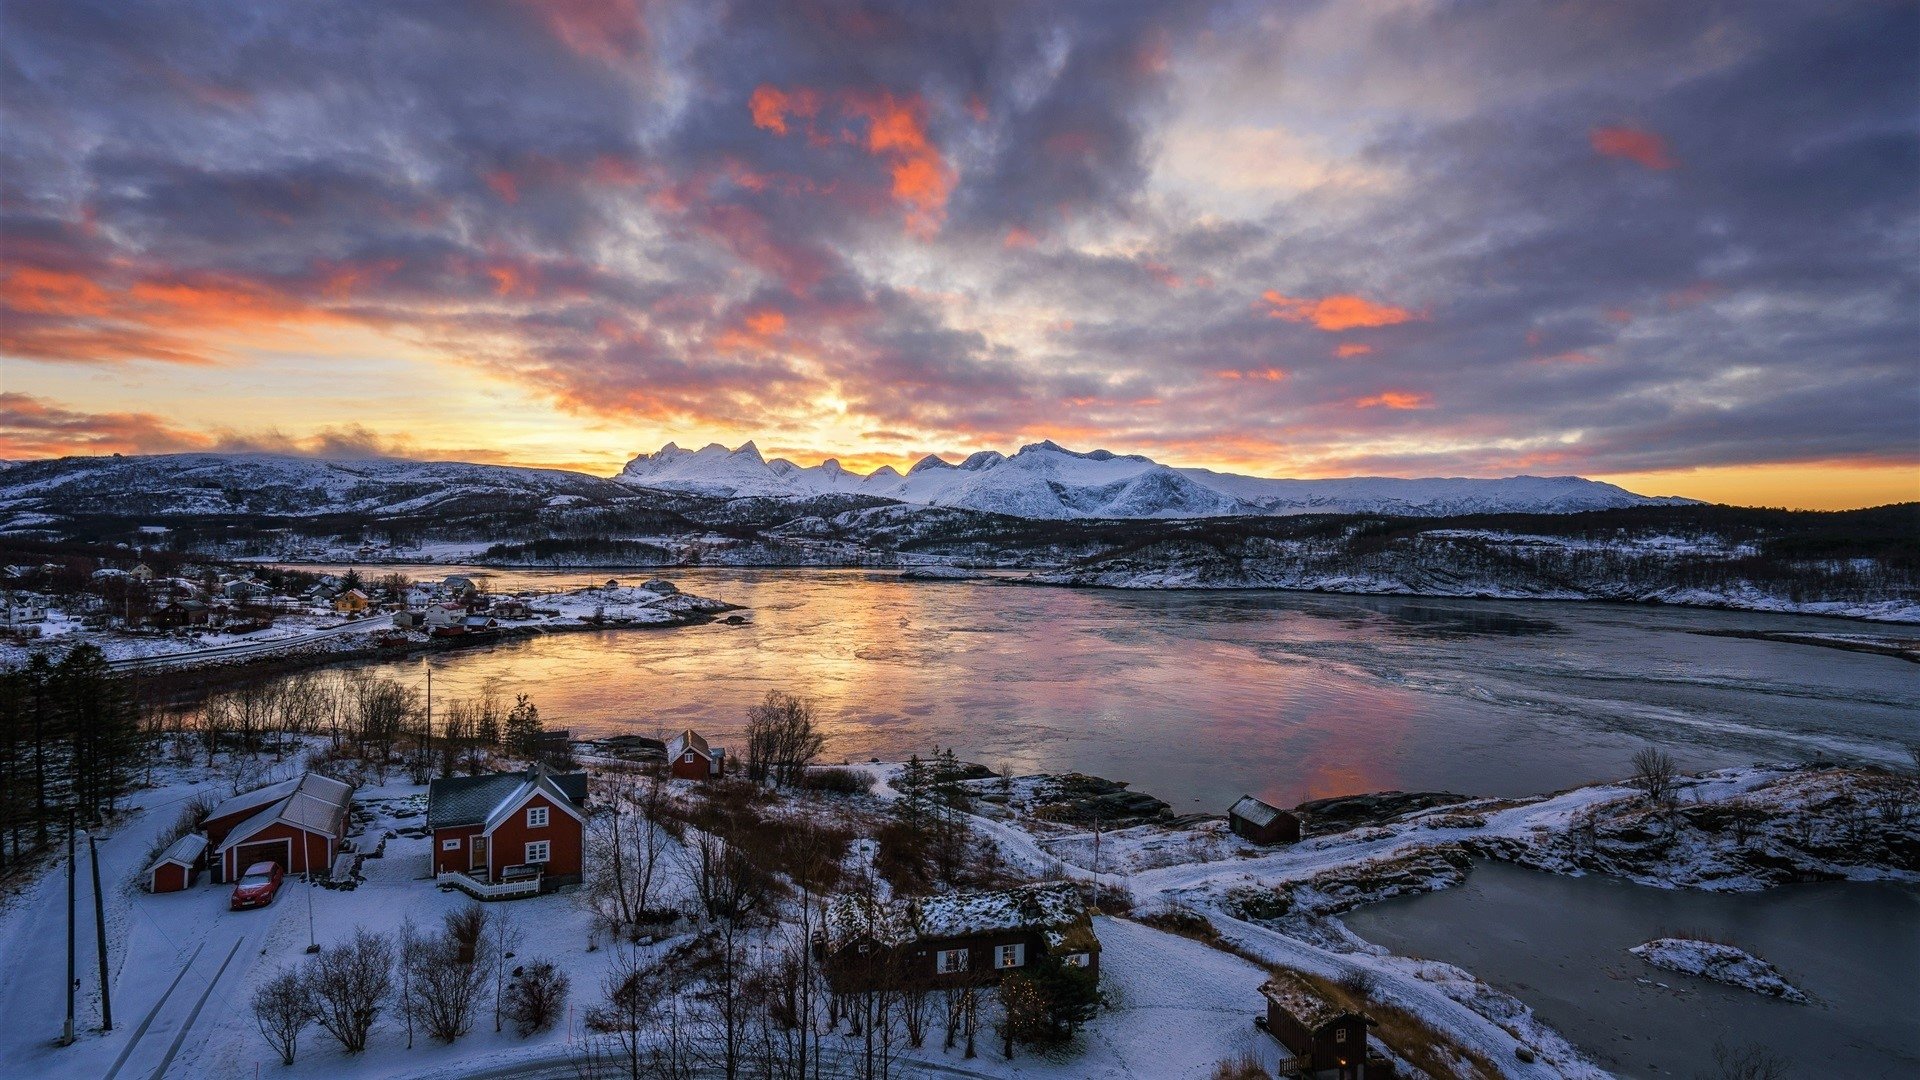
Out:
{"x": 1046, "y": 480}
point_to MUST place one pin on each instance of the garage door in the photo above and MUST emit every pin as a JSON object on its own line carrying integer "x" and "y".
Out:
{"x": 253, "y": 853}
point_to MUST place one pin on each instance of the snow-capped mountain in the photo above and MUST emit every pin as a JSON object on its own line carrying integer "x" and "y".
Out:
{"x": 1045, "y": 480}
{"x": 280, "y": 484}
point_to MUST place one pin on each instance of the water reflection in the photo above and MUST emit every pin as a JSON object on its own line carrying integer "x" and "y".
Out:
{"x": 1200, "y": 697}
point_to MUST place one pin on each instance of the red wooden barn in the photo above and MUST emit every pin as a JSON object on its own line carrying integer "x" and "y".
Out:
{"x": 526, "y": 827}
{"x": 177, "y": 866}
{"x": 1262, "y": 823}
{"x": 299, "y": 823}
{"x": 690, "y": 758}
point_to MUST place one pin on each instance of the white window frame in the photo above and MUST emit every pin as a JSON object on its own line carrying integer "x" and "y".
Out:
{"x": 537, "y": 817}
{"x": 450, "y": 845}
{"x": 950, "y": 962}
{"x": 1079, "y": 960}
{"x": 1009, "y": 956}
{"x": 545, "y": 849}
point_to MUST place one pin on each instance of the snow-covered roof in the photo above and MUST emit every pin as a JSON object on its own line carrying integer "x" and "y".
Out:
{"x": 688, "y": 740}
{"x": 317, "y": 804}
{"x": 1302, "y": 1002}
{"x": 185, "y": 851}
{"x": 1052, "y": 907}
{"x": 253, "y": 800}
{"x": 1253, "y": 810}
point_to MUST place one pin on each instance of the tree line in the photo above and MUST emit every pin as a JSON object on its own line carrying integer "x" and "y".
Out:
{"x": 71, "y": 745}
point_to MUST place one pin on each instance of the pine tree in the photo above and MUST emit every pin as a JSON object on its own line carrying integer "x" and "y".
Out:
{"x": 523, "y": 727}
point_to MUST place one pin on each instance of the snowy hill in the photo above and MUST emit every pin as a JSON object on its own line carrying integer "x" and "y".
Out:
{"x": 166, "y": 485}
{"x": 1045, "y": 480}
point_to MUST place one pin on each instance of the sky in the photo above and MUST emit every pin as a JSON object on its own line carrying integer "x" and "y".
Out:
{"x": 1676, "y": 246}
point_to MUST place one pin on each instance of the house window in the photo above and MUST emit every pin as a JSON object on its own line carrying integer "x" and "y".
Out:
{"x": 537, "y": 851}
{"x": 1340, "y": 1035}
{"x": 952, "y": 961}
{"x": 450, "y": 845}
{"x": 689, "y": 758}
{"x": 1010, "y": 956}
{"x": 1078, "y": 959}
{"x": 537, "y": 817}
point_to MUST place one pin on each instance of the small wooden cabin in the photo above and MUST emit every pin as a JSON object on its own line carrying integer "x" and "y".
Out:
{"x": 931, "y": 942}
{"x": 178, "y": 865}
{"x": 690, "y": 758}
{"x": 1251, "y": 819}
{"x": 1326, "y": 1041}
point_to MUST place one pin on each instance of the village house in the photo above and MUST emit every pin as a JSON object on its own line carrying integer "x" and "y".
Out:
{"x": 508, "y": 834}
{"x": 458, "y": 585}
{"x": 1325, "y": 1041}
{"x": 954, "y": 940}
{"x": 179, "y": 613}
{"x": 141, "y": 572}
{"x": 690, "y": 758}
{"x": 351, "y": 602}
{"x": 1251, "y": 819}
{"x": 178, "y": 865}
{"x": 445, "y": 616}
{"x": 299, "y": 823}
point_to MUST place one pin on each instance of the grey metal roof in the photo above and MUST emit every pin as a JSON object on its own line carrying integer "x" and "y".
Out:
{"x": 469, "y": 800}
{"x": 316, "y": 803}
{"x": 185, "y": 851}
{"x": 1253, "y": 810}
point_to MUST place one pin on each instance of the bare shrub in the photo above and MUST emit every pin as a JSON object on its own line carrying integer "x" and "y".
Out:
{"x": 350, "y": 983}
{"x": 1244, "y": 1067}
{"x": 281, "y": 1010}
{"x": 443, "y": 988}
{"x": 837, "y": 780}
{"x": 535, "y": 997}
{"x": 1653, "y": 773}
{"x": 184, "y": 822}
{"x": 467, "y": 928}
{"x": 1750, "y": 1062}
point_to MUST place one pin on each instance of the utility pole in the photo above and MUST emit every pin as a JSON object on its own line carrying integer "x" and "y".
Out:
{"x": 66, "y": 1034}
{"x": 429, "y": 666}
{"x": 100, "y": 932}
{"x": 313, "y": 946}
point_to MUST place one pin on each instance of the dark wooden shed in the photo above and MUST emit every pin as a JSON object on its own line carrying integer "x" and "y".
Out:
{"x": 1326, "y": 1041}
{"x": 1261, "y": 823}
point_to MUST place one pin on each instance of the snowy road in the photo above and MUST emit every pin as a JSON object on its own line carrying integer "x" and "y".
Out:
{"x": 253, "y": 648}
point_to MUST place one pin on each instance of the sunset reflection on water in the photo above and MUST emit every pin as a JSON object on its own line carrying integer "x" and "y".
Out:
{"x": 1199, "y": 697}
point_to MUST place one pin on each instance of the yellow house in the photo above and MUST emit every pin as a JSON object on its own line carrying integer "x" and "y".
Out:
{"x": 351, "y": 602}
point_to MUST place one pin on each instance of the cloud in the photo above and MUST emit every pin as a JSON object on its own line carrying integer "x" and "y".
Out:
{"x": 1633, "y": 144}
{"x": 1337, "y": 312}
{"x": 1395, "y": 399}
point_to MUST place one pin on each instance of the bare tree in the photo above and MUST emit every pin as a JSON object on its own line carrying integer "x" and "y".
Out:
{"x": 505, "y": 935}
{"x": 281, "y": 1010}
{"x": 1750, "y": 1062}
{"x": 351, "y": 982}
{"x": 728, "y": 884}
{"x": 781, "y": 739}
{"x": 625, "y": 843}
{"x": 445, "y": 979}
{"x": 1653, "y": 773}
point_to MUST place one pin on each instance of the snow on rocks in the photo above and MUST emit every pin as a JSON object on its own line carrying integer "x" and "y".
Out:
{"x": 1721, "y": 963}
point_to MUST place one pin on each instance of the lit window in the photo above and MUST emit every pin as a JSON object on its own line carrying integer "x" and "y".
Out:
{"x": 952, "y": 961}
{"x": 450, "y": 845}
{"x": 537, "y": 817}
{"x": 1010, "y": 956}
{"x": 537, "y": 852}
{"x": 1079, "y": 959}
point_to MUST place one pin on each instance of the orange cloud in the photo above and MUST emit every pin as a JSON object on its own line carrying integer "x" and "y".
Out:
{"x": 1339, "y": 312}
{"x": 607, "y": 30}
{"x": 504, "y": 184}
{"x": 896, "y": 132}
{"x": 1261, "y": 375}
{"x": 1352, "y": 349}
{"x": 1634, "y": 144}
{"x": 1395, "y": 399}
{"x": 1018, "y": 237}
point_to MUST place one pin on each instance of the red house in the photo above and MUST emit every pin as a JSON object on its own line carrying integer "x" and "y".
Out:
{"x": 690, "y": 758}
{"x": 298, "y": 823}
{"x": 508, "y": 834}
{"x": 1263, "y": 823}
{"x": 177, "y": 866}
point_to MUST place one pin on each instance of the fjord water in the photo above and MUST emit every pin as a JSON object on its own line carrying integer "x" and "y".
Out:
{"x": 1560, "y": 944}
{"x": 1200, "y": 697}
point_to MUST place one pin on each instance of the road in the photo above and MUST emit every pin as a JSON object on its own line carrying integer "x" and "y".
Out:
{"x": 253, "y": 648}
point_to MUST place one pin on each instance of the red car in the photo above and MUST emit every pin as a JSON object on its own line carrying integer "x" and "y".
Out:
{"x": 257, "y": 887}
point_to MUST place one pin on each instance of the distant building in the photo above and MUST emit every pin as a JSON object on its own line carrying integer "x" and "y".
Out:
{"x": 1326, "y": 1041}
{"x": 351, "y": 602}
{"x": 956, "y": 939}
{"x": 1261, "y": 823}
{"x": 508, "y": 834}
{"x": 690, "y": 758}
{"x": 458, "y": 585}
{"x": 299, "y": 823}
